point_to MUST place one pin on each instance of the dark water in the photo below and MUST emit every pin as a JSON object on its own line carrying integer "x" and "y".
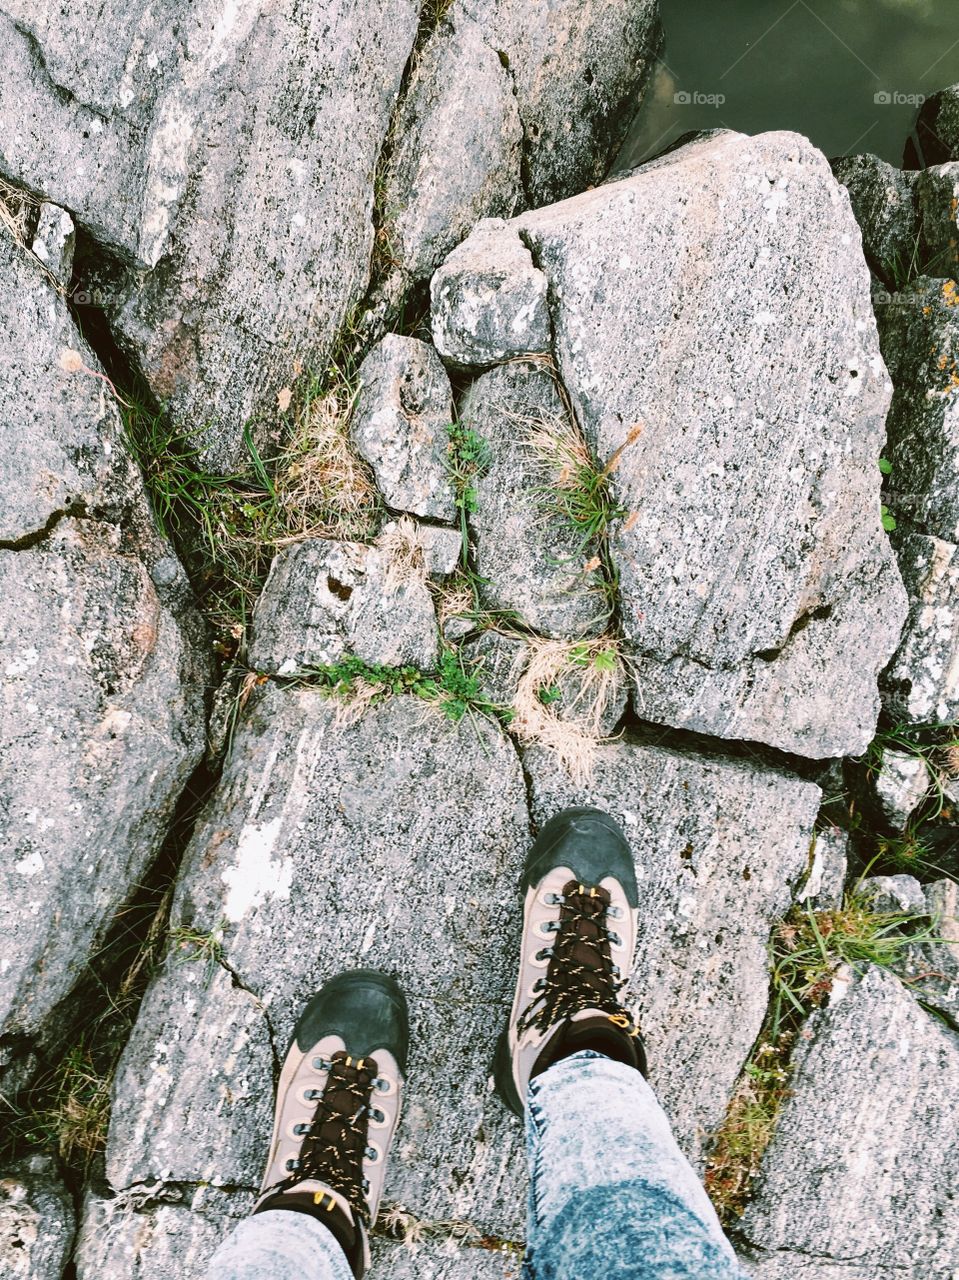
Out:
{"x": 847, "y": 73}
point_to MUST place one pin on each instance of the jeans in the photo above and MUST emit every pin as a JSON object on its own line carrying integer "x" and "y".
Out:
{"x": 611, "y": 1195}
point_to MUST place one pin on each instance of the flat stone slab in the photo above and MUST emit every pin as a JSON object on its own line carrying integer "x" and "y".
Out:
{"x": 719, "y": 847}
{"x": 860, "y": 1178}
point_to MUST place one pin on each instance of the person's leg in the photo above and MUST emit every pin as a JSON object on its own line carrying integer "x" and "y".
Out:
{"x": 337, "y": 1108}
{"x": 277, "y": 1245}
{"x": 611, "y": 1195}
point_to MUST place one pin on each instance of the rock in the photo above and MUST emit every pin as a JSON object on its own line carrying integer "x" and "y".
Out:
{"x": 938, "y": 127}
{"x": 938, "y": 193}
{"x": 54, "y": 241}
{"x": 858, "y": 1180}
{"x": 156, "y": 1233}
{"x": 62, "y": 436}
{"x": 719, "y": 844}
{"x": 894, "y": 894}
{"x": 530, "y": 560}
{"x": 660, "y": 360}
{"x": 104, "y": 669}
{"x": 831, "y": 660}
{"x": 558, "y": 85}
{"x": 824, "y": 890}
{"x": 900, "y": 785}
{"x": 325, "y": 600}
{"x": 488, "y": 300}
{"x": 451, "y": 164}
{"x": 884, "y": 203}
{"x": 921, "y": 684}
{"x": 434, "y": 1260}
{"x": 37, "y": 1221}
{"x": 223, "y": 170}
{"x": 919, "y": 331}
{"x": 367, "y": 832}
{"x": 400, "y": 426}
{"x": 442, "y": 549}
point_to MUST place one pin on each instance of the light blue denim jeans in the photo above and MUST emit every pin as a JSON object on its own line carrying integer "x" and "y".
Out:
{"x": 611, "y": 1196}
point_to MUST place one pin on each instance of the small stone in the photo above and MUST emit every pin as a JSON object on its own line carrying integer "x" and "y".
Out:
{"x": 55, "y": 240}
{"x": 824, "y": 889}
{"x": 442, "y": 548}
{"x": 937, "y": 189}
{"x": 400, "y": 425}
{"x": 895, "y": 894}
{"x": 36, "y": 1221}
{"x": 859, "y": 1179}
{"x": 489, "y": 302}
{"x": 921, "y": 684}
{"x": 884, "y": 203}
{"x": 325, "y": 600}
{"x": 900, "y": 786}
{"x": 529, "y": 558}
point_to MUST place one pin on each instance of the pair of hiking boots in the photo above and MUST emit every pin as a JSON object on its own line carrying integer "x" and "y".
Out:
{"x": 341, "y": 1087}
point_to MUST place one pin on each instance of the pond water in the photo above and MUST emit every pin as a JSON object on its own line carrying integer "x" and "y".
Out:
{"x": 847, "y": 73}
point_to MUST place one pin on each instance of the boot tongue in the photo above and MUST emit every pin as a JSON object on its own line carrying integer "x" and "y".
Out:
{"x": 582, "y": 935}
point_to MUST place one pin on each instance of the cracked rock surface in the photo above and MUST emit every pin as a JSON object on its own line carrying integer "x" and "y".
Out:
{"x": 37, "y": 1221}
{"x": 860, "y": 1177}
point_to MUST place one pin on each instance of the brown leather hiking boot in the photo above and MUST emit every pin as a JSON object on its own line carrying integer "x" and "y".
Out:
{"x": 579, "y": 935}
{"x": 337, "y": 1107}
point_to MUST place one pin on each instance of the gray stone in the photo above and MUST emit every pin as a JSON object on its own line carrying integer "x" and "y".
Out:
{"x": 719, "y": 845}
{"x": 884, "y": 202}
{"x": 919, "y": 329}
{"x": 900, "y": 784}
{"x": 156, "y": 1232}
{"x": 451, "y": 163}
{"x": 102, "y": 709}
{"x": 54, "y": 241}
{"x": 817, "y": 696}
{"x": 222, "y": 167}
{"x": 441, "y": 549}
{"x": 825, "y": 887}
{"x": 921, "y": 684}
{"x": 368, "y": 832}
{"x": 529, "y": 559}
{"x": 432, "y": 1260}
{"x": 558, "y": 85}
{"x": 761, "y": 272}
{"x": 400, "y": 425}
{"x": 37, "y": 1221}
{"x": 61, "y": 434}
{"x": 326, "y": 600}
{"x": 937, "y": 189}
{"x": 859, "y": 1179}
{"x": 938, "y": 127}
{"x": 488, "y": 300}
{"x": 896, "y": 894}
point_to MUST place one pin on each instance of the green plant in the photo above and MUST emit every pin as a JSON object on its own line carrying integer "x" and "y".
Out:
{"x": 467, "y": 459}
{"x": 189, "y": 945}
{"x": 936, "y": 745}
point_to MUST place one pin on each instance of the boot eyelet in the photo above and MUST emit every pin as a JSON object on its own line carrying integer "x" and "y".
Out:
{"x": 310, "y": 1095}
{"x": 540, "y": 959}
{"x": 322, "y": 1065}
{"x": 552, "y": 899}
{"x": 615, "y": 939}
{"x": 373, "y": 1153}
{"x": 296, "y": 1131}
{"x": 377, "y": 1117}
{"x": 384, "y": 1085}
{"x": 546, "y": 928}
{"x": 615, "y": 913}
{"x": 292, "y": 1165}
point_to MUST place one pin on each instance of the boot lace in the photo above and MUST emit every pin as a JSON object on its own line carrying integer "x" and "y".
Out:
{"x": 336, "y": 1140}
{"x": 581, "y": 974}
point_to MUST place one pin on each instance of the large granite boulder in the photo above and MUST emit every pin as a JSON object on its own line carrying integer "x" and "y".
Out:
{"x": 714, "y": 333}
{"x": 859, "y": 1180}
{"x": 102, "y": 712}
{"x": 330, "y": 845}
{"x": 720, "y": 846}
{"x": 207, "y": 147}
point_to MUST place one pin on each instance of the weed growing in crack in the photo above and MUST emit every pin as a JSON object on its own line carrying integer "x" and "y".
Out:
{"x": 468, "y": 457}
{"x": 396, "y": 1222}
{"x": 806, "y": 952}
{"x": 452, "y": 688}
{"x": 191, "y": 946}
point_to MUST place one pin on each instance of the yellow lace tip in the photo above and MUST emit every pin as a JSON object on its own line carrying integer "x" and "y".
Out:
{"x": 349, "y": 1061}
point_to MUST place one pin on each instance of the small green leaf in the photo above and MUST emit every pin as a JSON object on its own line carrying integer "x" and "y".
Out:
{"x": 888, "y": 520}
{"x": 885, "y": 466}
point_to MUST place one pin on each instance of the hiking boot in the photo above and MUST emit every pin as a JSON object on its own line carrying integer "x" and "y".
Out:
{"x": 579, "y": 935}
{"x": 337, "y": 1107}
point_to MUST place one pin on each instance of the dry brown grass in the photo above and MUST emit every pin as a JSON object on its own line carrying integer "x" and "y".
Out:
{"x": 402, "y": 548}
{"x": 588, "y": 672}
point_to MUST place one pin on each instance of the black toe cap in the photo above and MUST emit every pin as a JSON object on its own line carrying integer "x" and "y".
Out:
{"x": 588, "y": 841}
{"x": 366, "y": 1008}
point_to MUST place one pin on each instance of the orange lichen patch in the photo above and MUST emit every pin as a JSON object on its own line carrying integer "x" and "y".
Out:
{"x": 950, "y": 293}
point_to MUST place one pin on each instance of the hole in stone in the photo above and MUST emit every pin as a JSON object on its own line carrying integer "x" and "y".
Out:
{"x": 339, "y": 589}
